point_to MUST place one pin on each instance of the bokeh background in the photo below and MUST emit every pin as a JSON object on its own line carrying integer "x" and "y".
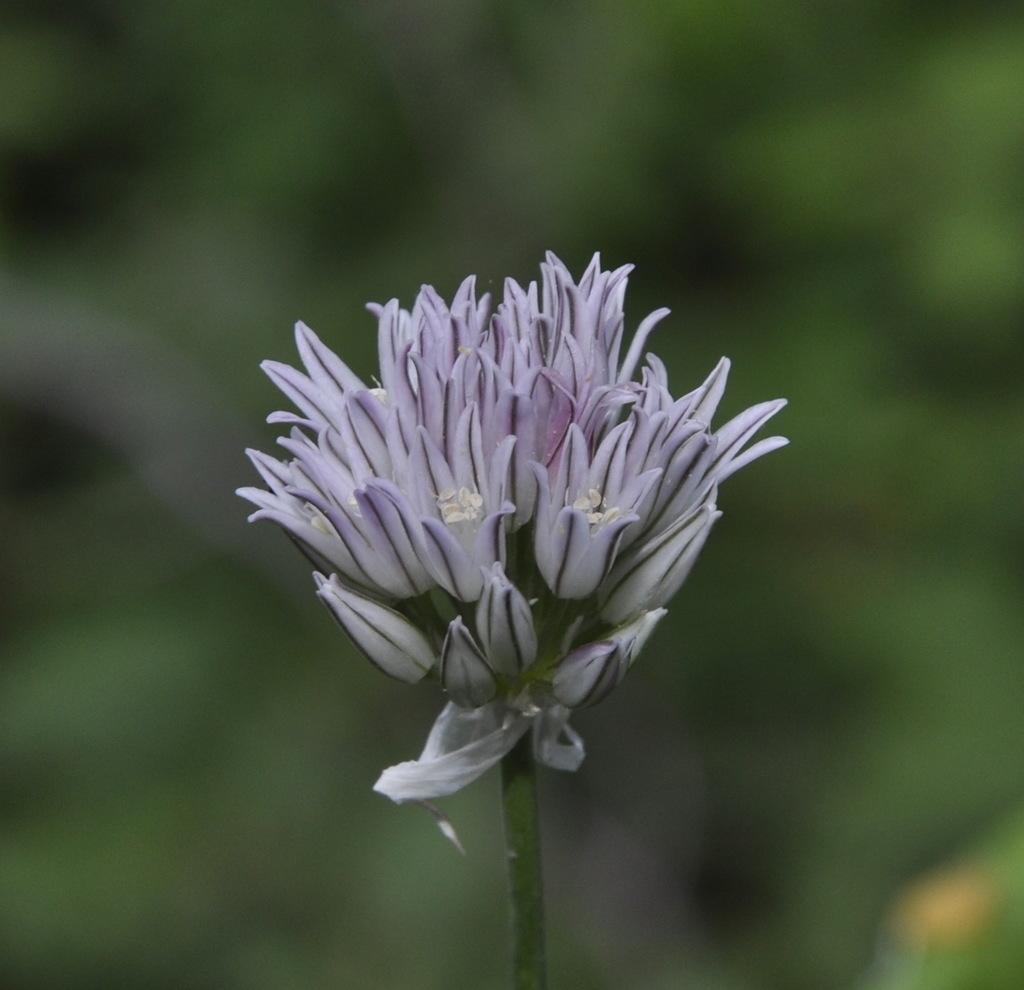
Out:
{"x": 815, "y": 776}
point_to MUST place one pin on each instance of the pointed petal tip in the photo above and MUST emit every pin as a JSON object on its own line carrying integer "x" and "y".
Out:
{"x": 444, "y": 824}
{"x": 306, "y": 339}
{"x": 277, "y": 371}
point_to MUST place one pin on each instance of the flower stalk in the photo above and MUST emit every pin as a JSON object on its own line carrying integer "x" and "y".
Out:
{"x": 522, "y": 849}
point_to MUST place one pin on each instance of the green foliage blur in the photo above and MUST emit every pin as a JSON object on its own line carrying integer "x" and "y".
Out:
{"x": 830, "y": 193}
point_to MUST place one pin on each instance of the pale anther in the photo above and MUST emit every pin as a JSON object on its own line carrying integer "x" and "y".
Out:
{"x": 593, "y": 505}
{"x": 461, "y": 505}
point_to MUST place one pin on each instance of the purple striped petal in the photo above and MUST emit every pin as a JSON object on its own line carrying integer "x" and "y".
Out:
{"x": 301, "y": 390}
{"x": 734, "y": 435}
{"x": 325, "y": 368}
{"x": 650, "y": 574}
{"x": 396, "y": 532}
{"x": 449, "y": 563}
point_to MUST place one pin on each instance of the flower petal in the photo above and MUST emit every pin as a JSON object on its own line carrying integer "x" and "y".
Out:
{"x": 549, "y": 730}
{"x": 649, "y": 574}
{"x": 325, "y": 368}
{"x": 453, "y": 568}
{"x": 462, "y": 745}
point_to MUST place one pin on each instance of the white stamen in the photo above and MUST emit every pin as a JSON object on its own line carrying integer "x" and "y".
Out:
{"x": 460, "y": 506}
{"x": 595, "y": 507}
{"x": 470, "y": 500}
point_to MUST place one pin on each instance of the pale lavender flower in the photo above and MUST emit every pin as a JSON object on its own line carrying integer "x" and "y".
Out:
{"x": 508, "y": 509}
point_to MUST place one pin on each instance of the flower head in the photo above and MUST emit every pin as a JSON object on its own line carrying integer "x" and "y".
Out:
{"x": 508, "y": 509}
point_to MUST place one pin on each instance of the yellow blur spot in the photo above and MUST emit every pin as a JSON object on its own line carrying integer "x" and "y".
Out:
{"x": 949, "y": 908}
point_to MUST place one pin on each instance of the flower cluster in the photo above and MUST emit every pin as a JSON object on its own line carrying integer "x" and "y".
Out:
{"x": 508, "y": 509}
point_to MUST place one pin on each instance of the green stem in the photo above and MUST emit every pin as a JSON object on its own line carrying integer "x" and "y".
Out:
{"x": 522, "y": 845}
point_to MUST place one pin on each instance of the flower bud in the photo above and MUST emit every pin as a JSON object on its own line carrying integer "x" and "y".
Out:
{"x": 587, "y": 674}
{"x": 590, "y": 672}
{"x": 386, "y": 638}
{"x": 465, "y": 673}
{"x": 504, "y": 623}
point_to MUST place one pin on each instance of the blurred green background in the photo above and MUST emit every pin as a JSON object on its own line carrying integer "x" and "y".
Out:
{"x": 830, "y": 193}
